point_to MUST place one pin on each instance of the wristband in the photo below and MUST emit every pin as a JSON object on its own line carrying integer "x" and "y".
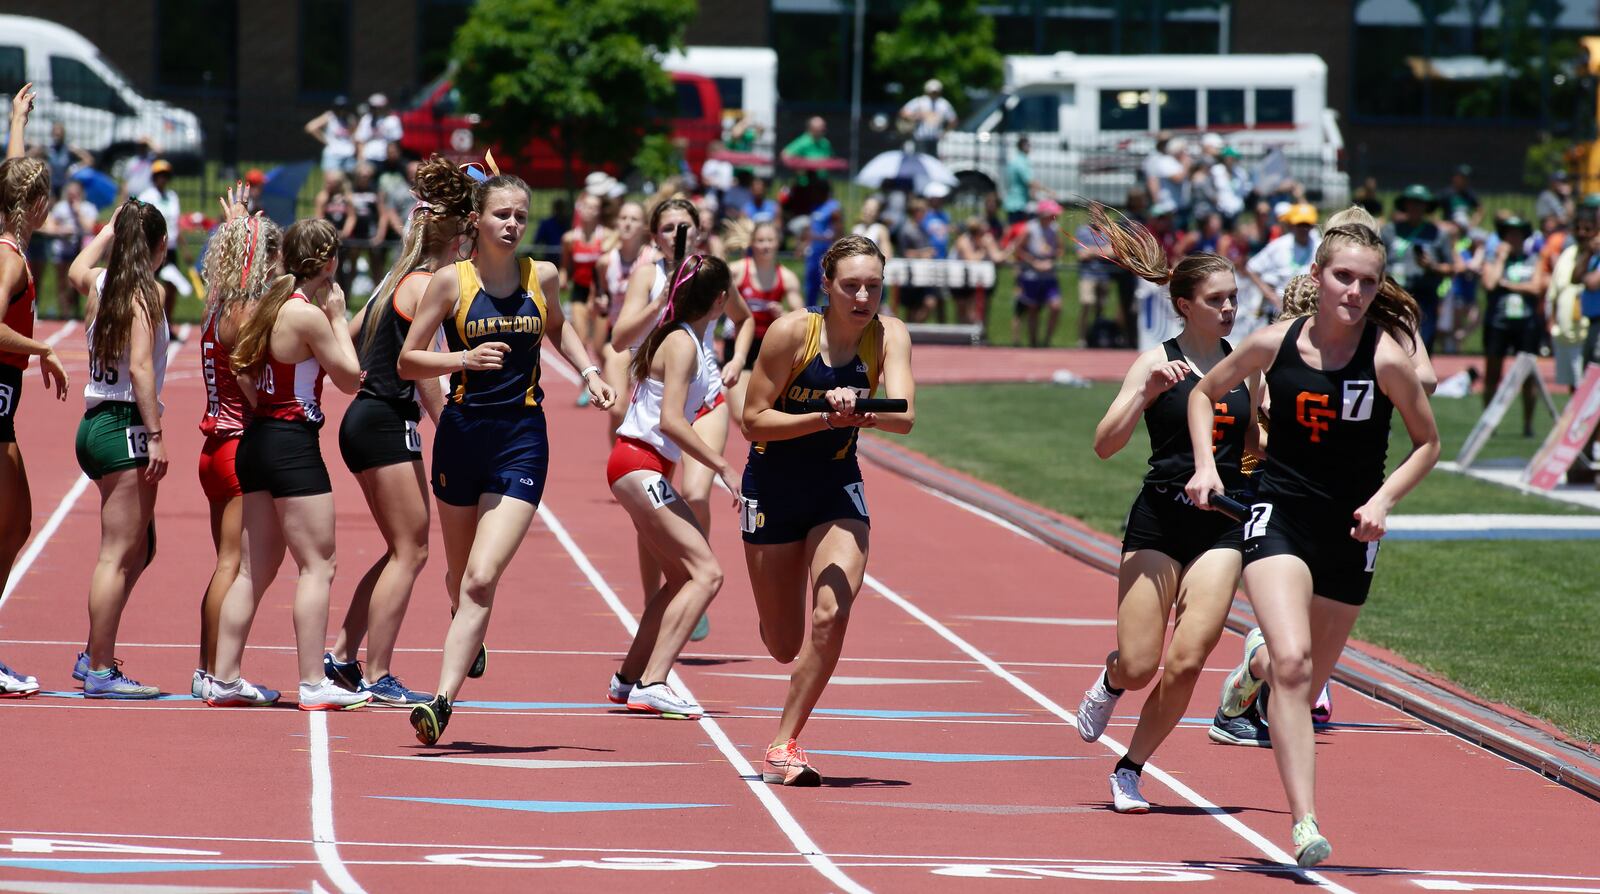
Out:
{"x": 827, "y": 421}
{"x": 463, "y": 359}
{"x": 591, "y": 368}
{"x": 153, "y": 434}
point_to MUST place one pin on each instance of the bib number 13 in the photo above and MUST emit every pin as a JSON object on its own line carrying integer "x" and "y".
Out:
{"x": 138, "y": 441}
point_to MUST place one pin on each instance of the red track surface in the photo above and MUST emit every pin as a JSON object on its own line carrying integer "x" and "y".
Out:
{"x": 236, "y": 790}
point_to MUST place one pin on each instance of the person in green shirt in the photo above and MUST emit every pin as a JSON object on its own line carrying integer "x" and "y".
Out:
{"x": 813, "y": 144}
{"x": 1020, "y": 187}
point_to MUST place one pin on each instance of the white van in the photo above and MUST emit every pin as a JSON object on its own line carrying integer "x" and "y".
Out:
{"x": 1091, "y": 120}
{"x": 77, "y": 87}
{"x": 746, "y": 79}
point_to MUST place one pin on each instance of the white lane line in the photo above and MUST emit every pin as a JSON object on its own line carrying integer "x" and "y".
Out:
{"x": 325, "y": 843}
{"x": 785, "y": 820}
{"x": 984, "y": 514}
{"x": 1250, "y": 835}
{"x": 36, "y": 546}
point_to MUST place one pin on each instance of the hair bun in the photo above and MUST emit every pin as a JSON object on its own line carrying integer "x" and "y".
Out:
{"x": 441, "y": 184}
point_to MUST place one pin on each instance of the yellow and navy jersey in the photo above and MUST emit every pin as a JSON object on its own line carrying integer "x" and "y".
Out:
{"x": 517, "y": 320}
{"x": 811, "y": 378}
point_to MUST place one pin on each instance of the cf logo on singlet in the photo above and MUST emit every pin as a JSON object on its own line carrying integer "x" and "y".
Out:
{"x": 1222, "y": 421}
{"x": 1311, "y": 410}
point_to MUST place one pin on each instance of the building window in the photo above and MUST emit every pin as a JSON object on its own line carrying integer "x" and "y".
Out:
{"x": 195, "y": 44}
{"x": 324, "y": 47}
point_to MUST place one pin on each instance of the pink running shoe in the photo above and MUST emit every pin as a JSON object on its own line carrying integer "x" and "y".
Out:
{"x": 787, "y": 765}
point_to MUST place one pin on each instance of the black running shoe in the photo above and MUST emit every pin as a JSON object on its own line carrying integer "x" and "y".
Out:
{"x": 479, "y": 664}
{"x": 429, "y": 720}
{"x": 1246, "y": 729}
{"x": 344, "y": 674}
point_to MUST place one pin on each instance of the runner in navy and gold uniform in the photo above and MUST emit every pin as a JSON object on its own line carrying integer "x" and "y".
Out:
{"x": 490, "y": 453}
{"x": 1311, "y": 541}
{"x": 804, "y": 504}
{"x": 1177, "y": 559}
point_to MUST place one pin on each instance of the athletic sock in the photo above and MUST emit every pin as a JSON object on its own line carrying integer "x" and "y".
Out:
{"x": 1125, "y": 764}
{"x": 1105, "y": 682}
{"x": 102, "y": 674}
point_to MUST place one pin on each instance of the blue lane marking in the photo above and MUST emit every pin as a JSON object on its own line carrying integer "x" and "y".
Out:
{"x": 884, "y": 714}
{"x": 534, "y": 706}
{"x": 546, "y": 806}
{"x": 114, "y": 867}
{"x": 937, "y": 757}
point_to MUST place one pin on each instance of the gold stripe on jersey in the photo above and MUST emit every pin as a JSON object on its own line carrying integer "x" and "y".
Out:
{"x": 468, "y": 329}
{"x": 869, "y": 352}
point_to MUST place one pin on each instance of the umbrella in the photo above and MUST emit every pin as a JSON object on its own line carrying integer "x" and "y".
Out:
{"x": 898, "y": 164}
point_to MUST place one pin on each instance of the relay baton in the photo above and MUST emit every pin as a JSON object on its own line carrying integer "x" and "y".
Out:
{"x": 863, "y": 405}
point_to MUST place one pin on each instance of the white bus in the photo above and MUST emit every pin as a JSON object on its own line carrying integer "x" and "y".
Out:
{"x": 1091, "y": 120}
{"x": 746, "y": 79}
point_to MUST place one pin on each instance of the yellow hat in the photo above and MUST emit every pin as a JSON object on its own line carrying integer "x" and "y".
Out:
{"x": 1300, "y": 213}
{"x": 162, "y": 166}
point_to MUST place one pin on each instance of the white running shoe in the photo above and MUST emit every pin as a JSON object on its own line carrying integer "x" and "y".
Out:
{"x": 1094, "y": 712}
{"x": 241, "y": 693}
{"x": 617, "y": 691}
{"x": 15, "y": 683}
{"x": 1125, "y": 797}
{"x": 330, "y": 696}
{"x": 200, "y": 685}
{"x": 658, "y": 698}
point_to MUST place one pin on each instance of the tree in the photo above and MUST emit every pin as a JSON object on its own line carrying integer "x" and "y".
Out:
{"x": 585, "y": 76}
{"x": 945, "y": 39}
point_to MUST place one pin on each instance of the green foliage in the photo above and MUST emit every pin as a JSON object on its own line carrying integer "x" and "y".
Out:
{"x": 1543, "y": 159}
{"x": 585, "y": 75}
{"x": 657, "y": 158}
{"x": 945, "y": 39}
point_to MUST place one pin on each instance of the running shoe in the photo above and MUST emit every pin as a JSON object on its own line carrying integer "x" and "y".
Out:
{"x": 80, "y": 668}
{"x": 389, "y": 692}
{"x": 479, "y": 664}
{"x": 787, "y": 765}
{"x": 1322, "y": 711}
{"x": 1239, "y": 689}
{"x": 658, "y": 698}
{"x": 1310, "y": 847}
{"x": 326, "y": 695}
{"x": 702, "y": 629}
{"x": 429, "y": 720}
{"x": 345, "y": 674}
{"x": 241, "y": 693}
{"x": 200, "y": 684}
{"x": 1094, "y": 712}
{"x": 618, "y": 689}
{"x": 1246, "y": 729}
{"x": 1125, "y": 797}
{"x": 16, "y": 684}
{"x": 112, "y": 684}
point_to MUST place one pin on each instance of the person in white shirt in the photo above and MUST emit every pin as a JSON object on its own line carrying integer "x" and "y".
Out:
{"x": 161, "y": 194}
{"x": 379, "y": 126}
{"x": 930, "y": 115}
{"x": 1281, "y": 260}
{"x": 71, "y": 225}
{"x": 333, "y": 130}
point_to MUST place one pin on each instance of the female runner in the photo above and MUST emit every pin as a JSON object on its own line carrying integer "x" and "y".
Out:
{"x": 805, "y": 518}
{"x": 379, "y": 441}
{"x": 24, "y": 204}
{"x": 581, "y": 248}
{"x": 120, "y": 444}
{"x": 769, "y": 289}
{"x": 491, "y": 453}
{"x": 245, "y": 256}
{"x": 628, "y": 246}
{"x": 1176, "y": 559}
{"x": 674, "y": 375}
{"x": 1311, "y": 542}
{"x": 293, "y": 336}
{"x": 642, "y": 310}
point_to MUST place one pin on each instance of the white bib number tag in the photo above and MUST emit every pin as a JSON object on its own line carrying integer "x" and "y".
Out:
{"x": 749, "y": 515}
{"x": 413, "y": 438}
{"x": 660, "y": 491}
{"x": 1372, "y": 556}
{"x": 138, "y": 441}
{"x": 1358, "y": 400}
{"x": 1260, "y": 514}
{"x": 5, "y": 400}
{"x": 858, "y": 495}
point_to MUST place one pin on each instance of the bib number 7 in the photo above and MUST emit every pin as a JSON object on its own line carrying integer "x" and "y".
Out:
{"x": 1260, "y": 514}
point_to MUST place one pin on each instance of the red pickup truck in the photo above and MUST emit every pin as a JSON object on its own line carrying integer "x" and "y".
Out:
{"x": 436, "y": 123}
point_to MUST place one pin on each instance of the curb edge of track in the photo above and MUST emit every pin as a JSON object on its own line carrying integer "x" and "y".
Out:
{"x": 1371, "y": 675}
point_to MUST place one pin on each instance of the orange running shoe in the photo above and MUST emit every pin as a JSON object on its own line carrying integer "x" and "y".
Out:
{"x": 787, "y": 765}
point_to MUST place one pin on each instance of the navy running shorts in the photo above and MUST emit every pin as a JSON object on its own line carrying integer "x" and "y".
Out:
{"x": 495, "y": 452}
{"x": 783, "y": 501}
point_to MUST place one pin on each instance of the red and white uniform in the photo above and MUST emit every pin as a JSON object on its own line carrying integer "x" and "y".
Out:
{"x": 617, "y": 271}
{"x": 584, "y": 256}
{"x": 19, "y": 314}
{"x": 640, "y": 431}
{"x": 766, "y": 305}
{"x": 226, "y": 412}
{"x": 291, "y": 391}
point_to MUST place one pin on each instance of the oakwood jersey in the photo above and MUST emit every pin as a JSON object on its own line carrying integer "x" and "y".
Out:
{"x": 115, "y": 383}
{"x": 19, "y": 312}
{"x": 1330, "y": 428}
{"x": 383, "y": 333}
{"x": 226, "y": 412}
{"x": 812, "y": 378}
{"x": 290, "y": 391}
{"x": 766, "y": 305}
{"x": 516, "y": 320}
{"x": 1167, "y": 420}
{"x": 584, "y": 256}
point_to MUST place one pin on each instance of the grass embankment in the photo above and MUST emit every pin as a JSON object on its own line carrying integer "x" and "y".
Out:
{"x": 1513, "y": 621}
